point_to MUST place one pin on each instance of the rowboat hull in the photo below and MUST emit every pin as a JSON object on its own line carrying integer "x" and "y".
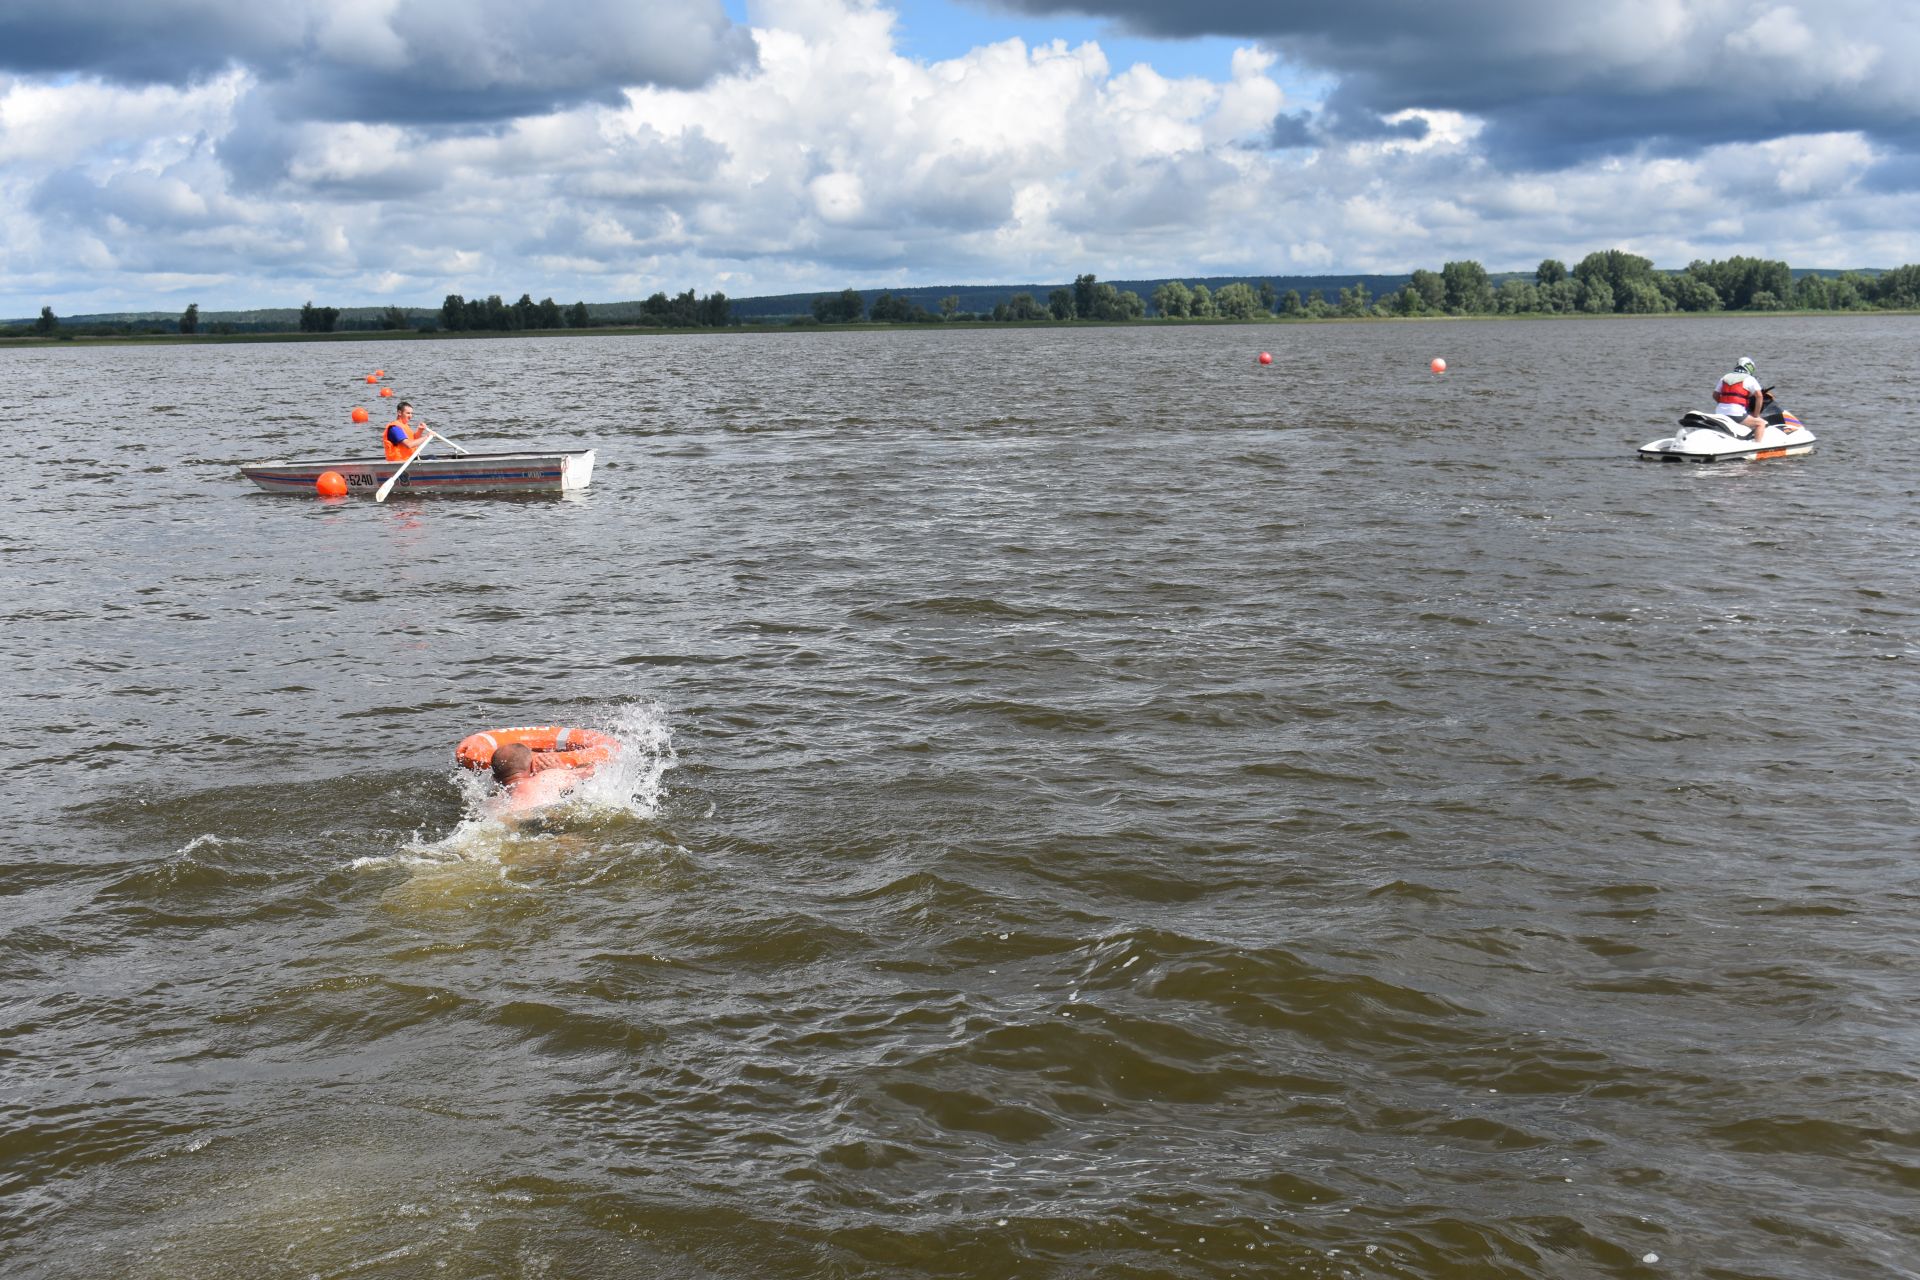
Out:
{"x": 543, "y": 471}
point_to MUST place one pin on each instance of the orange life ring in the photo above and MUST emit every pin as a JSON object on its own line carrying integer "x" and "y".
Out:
{"x": 554, "y": 747}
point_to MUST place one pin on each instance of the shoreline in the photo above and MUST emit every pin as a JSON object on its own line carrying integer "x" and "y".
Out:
{"x": 608, "y": 331}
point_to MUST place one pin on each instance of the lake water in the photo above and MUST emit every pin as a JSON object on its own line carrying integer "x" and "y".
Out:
{"x": 1093, "y": 806}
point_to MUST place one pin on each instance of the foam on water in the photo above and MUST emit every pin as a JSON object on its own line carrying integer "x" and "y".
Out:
{"x": 635, "y": 780}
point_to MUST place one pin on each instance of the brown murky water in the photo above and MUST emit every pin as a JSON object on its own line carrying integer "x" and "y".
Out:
{"x": 1094, "y": 807}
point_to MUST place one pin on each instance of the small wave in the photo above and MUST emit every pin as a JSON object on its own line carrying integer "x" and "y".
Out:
{"x": 198, "y": 868}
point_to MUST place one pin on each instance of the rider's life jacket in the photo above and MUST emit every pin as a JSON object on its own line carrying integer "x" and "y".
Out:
{"x": 1733, "y": 391}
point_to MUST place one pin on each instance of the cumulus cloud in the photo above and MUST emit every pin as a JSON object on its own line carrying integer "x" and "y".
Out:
{"x": 374, "y": 150}
{"x": 385, "y": 60}
{"x": 1558, "y": 85}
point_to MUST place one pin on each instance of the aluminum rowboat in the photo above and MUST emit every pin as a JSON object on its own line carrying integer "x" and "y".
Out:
{"x": 535, "y": 471}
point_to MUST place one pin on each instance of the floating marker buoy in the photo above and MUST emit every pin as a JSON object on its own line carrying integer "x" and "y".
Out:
{"x": 359, "y": 414}
{"x": 1438, "y": 365}
{"x": 331, "y": 484}
{"x": 1266, "y": 358}
{"x": 373, "y": 377}
{"x": 386, "y": 391}
{"x": 379, "y": 373}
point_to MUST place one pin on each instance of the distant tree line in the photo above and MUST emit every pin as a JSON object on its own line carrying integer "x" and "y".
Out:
{"x": 462, "y": 315}
{"x": 683, "y": 311}
{"x": 318, "y": 319}
{"x": 844, "y": 307}
{"x": 1238, "y": 301}
{"x": 456, "y": 314}
{"x": 1609, "y": 282}
{"x": 1614, "y": 282}
{"x": 50, "y": 325}
{"x": 1088, "y": 299}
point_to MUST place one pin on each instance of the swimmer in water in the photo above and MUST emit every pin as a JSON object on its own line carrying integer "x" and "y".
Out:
{"x": 524, "y": 790}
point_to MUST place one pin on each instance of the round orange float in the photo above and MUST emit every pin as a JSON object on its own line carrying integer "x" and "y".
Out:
{"x": 554, "y": 747}
{"x": 359, "y": 414}
{"x": 331, "y": 484}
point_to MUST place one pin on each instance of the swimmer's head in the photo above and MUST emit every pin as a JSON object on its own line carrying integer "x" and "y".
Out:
{"x": 512, "y": 762}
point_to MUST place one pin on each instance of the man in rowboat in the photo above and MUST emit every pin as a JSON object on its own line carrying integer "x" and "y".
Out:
{"x": 401, "y": 438}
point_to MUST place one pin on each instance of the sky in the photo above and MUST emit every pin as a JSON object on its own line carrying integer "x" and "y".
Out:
{"x": 265, "y": 153}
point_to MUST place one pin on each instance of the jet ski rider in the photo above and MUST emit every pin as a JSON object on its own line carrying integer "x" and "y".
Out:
{"x": 1738, "y": 396}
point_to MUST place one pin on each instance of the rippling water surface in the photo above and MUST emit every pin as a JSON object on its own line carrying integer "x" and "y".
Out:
{"x": 1094, "y": 807}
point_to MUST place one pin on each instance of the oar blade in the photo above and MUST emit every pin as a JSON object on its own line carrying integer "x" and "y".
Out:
{"x": 386, "y": 486}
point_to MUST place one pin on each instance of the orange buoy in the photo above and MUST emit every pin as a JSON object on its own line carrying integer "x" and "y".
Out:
{"x": 372, "y": 378}
{"x": 386, "y": 391}
{"x": 554, "y": 747}
{"x": 359, "y": 414}
{"x": 379, "y": 373}
{"x": 1438, "y": 365}
{"x": 331, "y": 484}
{"x": 1266, "y": 358}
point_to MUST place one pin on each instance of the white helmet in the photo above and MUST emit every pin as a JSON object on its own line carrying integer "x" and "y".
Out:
{"x": 1745, "y": 365}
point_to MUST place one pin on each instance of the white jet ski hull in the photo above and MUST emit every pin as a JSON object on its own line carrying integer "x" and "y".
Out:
{"x": 1711, "y": 437}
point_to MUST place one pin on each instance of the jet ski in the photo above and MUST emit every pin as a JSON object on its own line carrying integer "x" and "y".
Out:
{"x": 1714, "y": 437}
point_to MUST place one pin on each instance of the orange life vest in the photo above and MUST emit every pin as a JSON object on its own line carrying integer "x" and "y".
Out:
{"x": 1733, "y": 390}
{"x": 401, "y": 452}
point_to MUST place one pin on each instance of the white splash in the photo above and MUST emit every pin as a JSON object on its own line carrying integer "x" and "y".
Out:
{"x": 632, "y": 784}
{"x": 634, "y": 780}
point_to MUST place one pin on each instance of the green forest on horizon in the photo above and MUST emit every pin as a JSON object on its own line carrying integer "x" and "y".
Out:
{"x": 1606, "y": 282}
